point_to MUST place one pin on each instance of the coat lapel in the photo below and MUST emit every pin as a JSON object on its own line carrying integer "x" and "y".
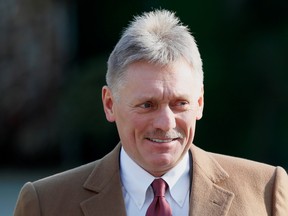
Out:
{"x": 207, "y": 196}
{"x": 105, "y": 186}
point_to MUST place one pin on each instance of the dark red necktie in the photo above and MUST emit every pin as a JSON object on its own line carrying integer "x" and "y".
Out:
{"x": 159, "y": 205}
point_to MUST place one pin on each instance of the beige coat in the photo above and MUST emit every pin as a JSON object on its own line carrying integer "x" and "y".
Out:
{"x": 221, "y": 185}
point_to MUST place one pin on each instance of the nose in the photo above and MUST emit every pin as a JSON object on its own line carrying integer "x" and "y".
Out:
{"x": 165, "y": 119}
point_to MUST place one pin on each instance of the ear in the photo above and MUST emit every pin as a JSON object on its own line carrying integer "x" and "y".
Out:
{"x": 200, "y": 103}
{"x": 108, "y": 101}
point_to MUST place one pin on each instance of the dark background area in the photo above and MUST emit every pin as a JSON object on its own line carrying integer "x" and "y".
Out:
{"x": 53, "y": 62}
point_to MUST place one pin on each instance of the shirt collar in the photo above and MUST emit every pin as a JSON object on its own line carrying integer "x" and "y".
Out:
{"x": 136, "y": 180}
{"x": 178, "y": 180}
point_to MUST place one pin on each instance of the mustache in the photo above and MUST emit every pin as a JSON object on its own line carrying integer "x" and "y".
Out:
{"x": 172, "y": 134}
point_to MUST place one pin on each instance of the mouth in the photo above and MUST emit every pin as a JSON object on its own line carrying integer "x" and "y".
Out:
{"x": 157, "y": 140}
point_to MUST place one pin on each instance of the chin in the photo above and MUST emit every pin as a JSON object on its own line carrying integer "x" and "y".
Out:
{"x": 163, "y": 162}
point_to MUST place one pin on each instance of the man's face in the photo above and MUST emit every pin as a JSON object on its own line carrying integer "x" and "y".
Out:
{"x": 156, "y": 113}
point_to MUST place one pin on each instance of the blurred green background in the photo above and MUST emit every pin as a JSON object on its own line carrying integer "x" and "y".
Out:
{"x": 53, "y": 62}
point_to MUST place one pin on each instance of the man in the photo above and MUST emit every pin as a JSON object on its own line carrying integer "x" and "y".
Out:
{"x": 154, "y": 94}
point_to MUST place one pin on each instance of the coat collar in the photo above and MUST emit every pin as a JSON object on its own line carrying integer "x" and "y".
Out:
{"x": 207, "y": 197}
{"x": 105, "y": 186}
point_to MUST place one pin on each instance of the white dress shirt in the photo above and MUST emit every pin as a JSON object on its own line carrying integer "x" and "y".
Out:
{"x": 138, "y": 193}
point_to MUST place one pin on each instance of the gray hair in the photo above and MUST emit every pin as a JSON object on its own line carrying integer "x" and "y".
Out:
{"x": 157, "y": 37}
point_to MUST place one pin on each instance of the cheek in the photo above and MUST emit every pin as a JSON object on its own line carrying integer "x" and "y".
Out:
{"x": 130, "y": 124}
{"x": 187, "y": 119}
{"x": 186, "y": 122}
{"x": 139, "y": 124}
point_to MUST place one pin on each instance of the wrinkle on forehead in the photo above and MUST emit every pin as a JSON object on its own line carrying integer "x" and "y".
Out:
{"x": 174, "y": 80}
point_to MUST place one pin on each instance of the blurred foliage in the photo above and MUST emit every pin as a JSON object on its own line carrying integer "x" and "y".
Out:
{"x": 82, "y": 126}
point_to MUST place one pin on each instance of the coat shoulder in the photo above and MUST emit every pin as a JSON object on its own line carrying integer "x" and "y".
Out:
{"x": 251, "y": 175}
{"x": 79, "y": 175}
{"x": 62, "y": 193}
{"x": 75, "y": 175}
{"x": 259, "y": 188}
{"x": 247, "y": 167}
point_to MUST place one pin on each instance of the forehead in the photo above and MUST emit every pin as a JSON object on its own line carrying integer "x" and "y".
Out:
{"x": 175, "y": 78}
{"x": 145, "y": 70}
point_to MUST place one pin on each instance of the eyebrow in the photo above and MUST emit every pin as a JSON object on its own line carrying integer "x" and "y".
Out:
{"x": 153, "y": 97}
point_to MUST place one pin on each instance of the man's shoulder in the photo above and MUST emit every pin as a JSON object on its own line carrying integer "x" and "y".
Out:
{"x": 235, "y": 167}
{"x": 254, "y": 182}
{"x": 241, "y": 162}
{"x": 71, "y": 177}
{"x": 80, "y": 174}
{"x": 69, "y": 187}
{"x": 238, "y": 167}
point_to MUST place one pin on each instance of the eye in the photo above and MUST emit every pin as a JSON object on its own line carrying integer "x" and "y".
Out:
{"x": 181, "y": 105}
{"x": 146, "y": 105}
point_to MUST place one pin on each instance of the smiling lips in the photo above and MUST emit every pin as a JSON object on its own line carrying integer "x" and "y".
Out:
{"x": 162, "y": 140}
{"x": 159, "y": 136}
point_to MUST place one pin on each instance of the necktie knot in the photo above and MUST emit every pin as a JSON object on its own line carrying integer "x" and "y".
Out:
{"x": 159, "y": 187}
{"x": 159, "y": 205}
